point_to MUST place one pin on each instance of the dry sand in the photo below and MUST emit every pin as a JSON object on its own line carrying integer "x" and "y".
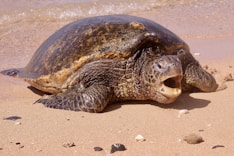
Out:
{"x": 208, "y": 29}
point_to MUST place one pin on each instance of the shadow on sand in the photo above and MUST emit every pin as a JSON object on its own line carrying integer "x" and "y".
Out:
{"x": 185, "y": 101}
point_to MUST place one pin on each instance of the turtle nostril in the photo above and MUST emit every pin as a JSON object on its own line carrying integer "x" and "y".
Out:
{"x": 159, "y": 66}
{"x": 181, "y": 52}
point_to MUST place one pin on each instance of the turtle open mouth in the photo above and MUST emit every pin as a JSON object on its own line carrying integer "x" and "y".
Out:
{"x": 173, "y": 82}
{"x": 171, "y": 87}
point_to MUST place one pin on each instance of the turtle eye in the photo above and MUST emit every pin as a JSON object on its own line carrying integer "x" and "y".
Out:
{"x": 149, "y": 50}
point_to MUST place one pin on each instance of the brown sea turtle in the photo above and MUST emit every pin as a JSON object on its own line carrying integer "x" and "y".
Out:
{"x": 99, "y": 60}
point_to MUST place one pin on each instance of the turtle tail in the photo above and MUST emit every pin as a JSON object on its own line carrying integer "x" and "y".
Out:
{"x": 12, "y": 72}
{"x": 197, "y": 79}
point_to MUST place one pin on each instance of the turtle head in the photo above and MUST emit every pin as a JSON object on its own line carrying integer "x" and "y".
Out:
{"x": 162, "y": 78}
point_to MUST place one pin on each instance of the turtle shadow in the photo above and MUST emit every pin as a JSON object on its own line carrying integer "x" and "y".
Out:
{"x": 185, "y": 101}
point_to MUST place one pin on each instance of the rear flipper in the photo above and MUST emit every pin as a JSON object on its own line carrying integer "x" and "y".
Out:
{"x": 92, "y": 99}
{"x": 11, "y": 72}
{"x": 196, "y": 76}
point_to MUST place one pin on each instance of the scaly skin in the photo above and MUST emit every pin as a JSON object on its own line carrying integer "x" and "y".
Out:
{"x": 102, "y": 82}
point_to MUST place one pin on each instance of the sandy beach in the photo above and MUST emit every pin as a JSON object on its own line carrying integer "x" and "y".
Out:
{"x": 32, "y": 129}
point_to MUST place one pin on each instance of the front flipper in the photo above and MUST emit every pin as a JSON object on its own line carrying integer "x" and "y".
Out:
{"x": 92, "y": 99}
{"x": 196, "y": 76}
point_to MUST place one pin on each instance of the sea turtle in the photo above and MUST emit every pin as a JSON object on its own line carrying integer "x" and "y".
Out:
{"x": 99, "y": 60}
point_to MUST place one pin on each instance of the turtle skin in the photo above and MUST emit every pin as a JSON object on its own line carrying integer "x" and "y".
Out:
{"x": 101, "y": 82}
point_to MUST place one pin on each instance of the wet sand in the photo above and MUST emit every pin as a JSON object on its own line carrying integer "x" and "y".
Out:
{"x": 43, "y": 131}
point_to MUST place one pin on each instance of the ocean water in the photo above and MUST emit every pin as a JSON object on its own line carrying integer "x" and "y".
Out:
{"x": 12, "y": 11}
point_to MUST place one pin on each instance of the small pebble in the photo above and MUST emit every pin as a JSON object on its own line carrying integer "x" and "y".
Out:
{"x": 210, "y": 70}
{"x": 13, "y": 118}
{"x": 18, "y": 123}
{"x": 68, "y": 144}
{"x": 193, "y": 139}
{"x": 179, "y": 140}
{"x": 206, "y": 67}
{"x": 117, "y": 147}
{"x": 139, "y": 138}
{"x": 39, "y": 150}
{"x": 19, "y": 145}
{"x": 213, "y": 71}
{"x": 182, "y": 112}
{"x": 217, "y": 146}
{"x": 98, "y": 149}
{"x": 221, "y": 86}
{"x": 196, "y": 54}
{"x": 228, "y": 77}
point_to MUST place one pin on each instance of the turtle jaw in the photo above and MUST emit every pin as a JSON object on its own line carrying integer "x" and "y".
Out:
{"x": 171, "y": 87}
